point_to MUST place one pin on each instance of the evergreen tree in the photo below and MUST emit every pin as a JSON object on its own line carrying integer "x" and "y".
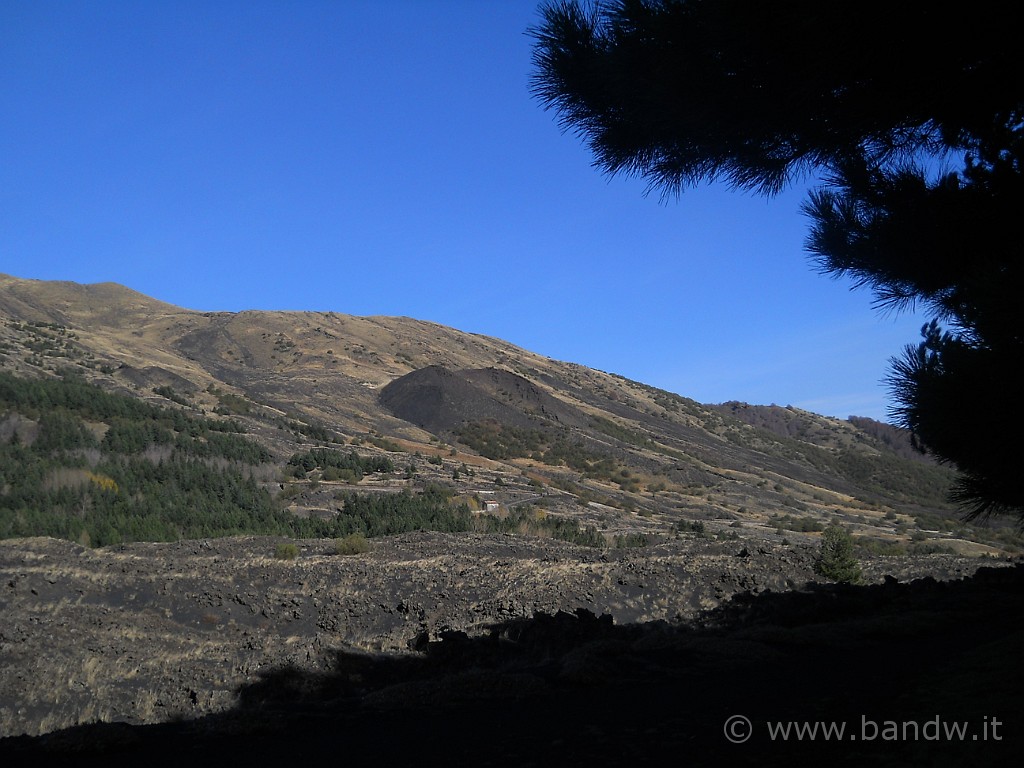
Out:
{"x": 914, "y": 124}
{"x": 836, "y": 560}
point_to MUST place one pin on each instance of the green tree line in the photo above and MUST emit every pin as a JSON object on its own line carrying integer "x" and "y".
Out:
{"x": 82, "y": 464}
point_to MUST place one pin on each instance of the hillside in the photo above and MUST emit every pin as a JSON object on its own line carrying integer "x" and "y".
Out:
{"x": 485, "y": 419}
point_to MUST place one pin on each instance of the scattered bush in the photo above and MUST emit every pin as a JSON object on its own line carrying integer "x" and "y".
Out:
{"x": 353, "y": 544}
{"x": 695, "y": 527}
{"x": 287, "y": 551}
{"x": 793, "y": 523}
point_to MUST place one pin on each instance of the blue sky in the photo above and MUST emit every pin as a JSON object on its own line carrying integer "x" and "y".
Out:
{"x": 385, "y": 157}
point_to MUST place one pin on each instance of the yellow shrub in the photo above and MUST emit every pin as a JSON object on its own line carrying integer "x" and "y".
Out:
{"x": 103, "y": 482}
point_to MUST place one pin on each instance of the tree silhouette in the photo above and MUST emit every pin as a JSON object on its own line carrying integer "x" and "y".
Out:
{"x": 913, "y": 123}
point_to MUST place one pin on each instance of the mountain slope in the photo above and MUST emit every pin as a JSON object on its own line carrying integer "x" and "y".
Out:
{"x": 584, "y": 445}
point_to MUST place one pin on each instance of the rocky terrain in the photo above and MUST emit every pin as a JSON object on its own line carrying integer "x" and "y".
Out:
{"x": 494, "y": 650}
{"x": 148, "y": 632}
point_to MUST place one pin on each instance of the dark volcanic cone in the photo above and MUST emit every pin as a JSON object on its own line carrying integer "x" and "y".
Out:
{"x": 440, "y": 400}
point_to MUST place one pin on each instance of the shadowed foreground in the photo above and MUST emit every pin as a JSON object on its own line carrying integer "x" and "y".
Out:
{"x": 895, "y": 665}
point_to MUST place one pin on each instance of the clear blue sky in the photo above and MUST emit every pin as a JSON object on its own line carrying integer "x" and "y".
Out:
{"x": 385, "y": 157}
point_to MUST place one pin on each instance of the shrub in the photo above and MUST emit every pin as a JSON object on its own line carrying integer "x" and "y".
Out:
{"x": 286, "y": 551}
{"x": 630, "y": 540}
{"x": 353, "y": 544}
{"x": 691, "y": 526}
{"x": 836, "y": 560}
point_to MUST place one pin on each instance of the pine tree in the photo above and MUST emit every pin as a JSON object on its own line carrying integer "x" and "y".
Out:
{"x": 836, "y": 560}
